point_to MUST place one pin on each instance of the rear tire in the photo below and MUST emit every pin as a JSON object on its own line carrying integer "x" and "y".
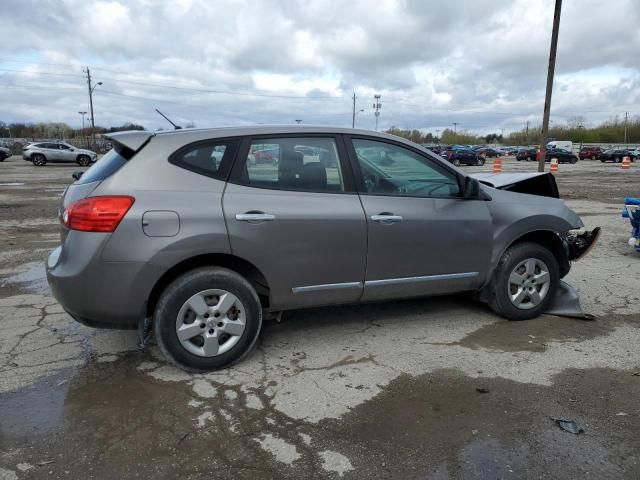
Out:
{"x": 505, "y": 292}
{"x": 573, "y": 160}
{"x": 480, "y": 162}
{"x": 39, "y": 160}
{"x": 84, "y": 160}
{"x": 456, "y": 162}
{"x": 174, "y": 311}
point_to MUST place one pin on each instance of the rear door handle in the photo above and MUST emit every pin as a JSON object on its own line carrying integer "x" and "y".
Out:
{"x": 255, "y": 217}
{"x": 386, "y": 218}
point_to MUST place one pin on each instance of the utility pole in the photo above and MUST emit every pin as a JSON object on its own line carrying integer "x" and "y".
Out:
{"x": 550, "y": 74}
{"x": 526, "y": 135}
{"x": 91, "y": 89}
{"x": 626, "y": 117}
{"x": 377, "y": 106}
{"x": 93, "y": 124}
{"x": 353, "y": 112}
{"x": 455, "y": 131}
{"x": 437, "y": 135}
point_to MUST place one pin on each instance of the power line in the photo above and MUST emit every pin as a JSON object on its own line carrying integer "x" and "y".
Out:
{"x": 40, "y": 73}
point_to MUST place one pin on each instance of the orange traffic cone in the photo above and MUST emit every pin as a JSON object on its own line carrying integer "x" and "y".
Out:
{"x": 554, "y": 165}
{"x": 497, "y": 165}
{"x": 626, "y": 163}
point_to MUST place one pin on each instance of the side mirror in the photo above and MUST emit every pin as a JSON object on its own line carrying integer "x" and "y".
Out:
{"x": 471, "y": 188}
{"x": 76, "y": 175}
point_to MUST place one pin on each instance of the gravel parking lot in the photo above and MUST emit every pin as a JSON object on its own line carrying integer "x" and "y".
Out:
{"x": 430, "y": 388}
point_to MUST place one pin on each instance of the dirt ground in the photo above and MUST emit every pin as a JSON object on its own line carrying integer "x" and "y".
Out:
{"x": 430, "y": 388}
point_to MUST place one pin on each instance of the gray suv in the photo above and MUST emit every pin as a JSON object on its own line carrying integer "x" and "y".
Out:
{"x": 57, "y": 152}
{"x": 185, "y": 229}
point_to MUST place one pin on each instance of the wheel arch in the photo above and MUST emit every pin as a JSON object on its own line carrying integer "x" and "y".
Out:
{"x": 239, "y": 265}
{"x": 551, "y": 241}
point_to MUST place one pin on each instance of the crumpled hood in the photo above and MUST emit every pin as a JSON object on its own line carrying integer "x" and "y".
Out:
{"x": 534, "y": 183}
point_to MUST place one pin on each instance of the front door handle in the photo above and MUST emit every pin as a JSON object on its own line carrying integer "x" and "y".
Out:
{"x": 255, "y": 217}
{"x": 386, "y": 218}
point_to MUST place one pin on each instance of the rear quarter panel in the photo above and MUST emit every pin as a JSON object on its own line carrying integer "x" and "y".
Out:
{"x": 158, "y": 185}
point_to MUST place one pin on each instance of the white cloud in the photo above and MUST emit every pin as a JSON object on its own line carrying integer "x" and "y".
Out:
{"x": 480, "y": 63}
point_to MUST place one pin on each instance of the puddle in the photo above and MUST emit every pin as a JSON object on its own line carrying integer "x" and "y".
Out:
{"x": 533, "y": 335}
{"x": 439, "y": 426}
{"x": 114, "y": 420}
{"x": 33, "y": 280}
{"x": 35, "y": 409}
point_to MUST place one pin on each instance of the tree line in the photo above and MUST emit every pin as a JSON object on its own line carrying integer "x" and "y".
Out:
{"x": 32, "y": 131}
{"x": 610, "y": 131}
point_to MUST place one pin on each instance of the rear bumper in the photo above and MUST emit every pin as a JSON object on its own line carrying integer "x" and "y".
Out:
{"x": 97, "y": 293}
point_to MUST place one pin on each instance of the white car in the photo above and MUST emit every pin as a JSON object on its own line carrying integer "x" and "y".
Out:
{"x": 57, "y": 152}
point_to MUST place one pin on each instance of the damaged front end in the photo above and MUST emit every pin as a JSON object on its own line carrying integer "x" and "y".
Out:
{"x": 566, "y": 302}
{"x": 579, "y": 243}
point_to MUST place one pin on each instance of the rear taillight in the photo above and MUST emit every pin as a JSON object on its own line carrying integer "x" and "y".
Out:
{"x": 97, "y": 214}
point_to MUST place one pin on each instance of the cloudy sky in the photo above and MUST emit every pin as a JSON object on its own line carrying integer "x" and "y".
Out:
{"x": 480, "y": 63}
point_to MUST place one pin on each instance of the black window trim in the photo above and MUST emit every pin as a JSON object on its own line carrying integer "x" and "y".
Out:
{"x": 226, "y": 163}
{"x": 345, "y": 164}
{"x": 431, "y": 157}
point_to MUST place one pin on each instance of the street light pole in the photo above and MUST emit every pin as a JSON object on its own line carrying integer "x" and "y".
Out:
{"x": 550, "y": 74}
{"x": 377, "y": 105}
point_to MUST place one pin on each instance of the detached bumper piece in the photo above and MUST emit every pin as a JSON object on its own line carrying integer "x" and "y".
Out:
{"x": 566, "y": 303}
{"x": 579, "y": 244}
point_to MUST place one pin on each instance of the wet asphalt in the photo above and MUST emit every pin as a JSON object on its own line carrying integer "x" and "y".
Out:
{"x": 428, "y": 388}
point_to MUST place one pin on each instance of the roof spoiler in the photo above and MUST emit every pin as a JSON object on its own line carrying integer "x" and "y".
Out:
{"x": 132, "y": 139}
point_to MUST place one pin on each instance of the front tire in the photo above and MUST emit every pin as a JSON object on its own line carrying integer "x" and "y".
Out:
{"x": 524, "y": 282}
{"x": 480, "y": 162}
{"x": 207, "y": 318}
{"x": 456, "y": 162}
{"x": 84, "y": 160}
{"x": 39, "y": 160}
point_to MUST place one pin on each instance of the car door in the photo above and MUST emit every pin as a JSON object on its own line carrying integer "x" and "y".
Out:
{"x": 424, "y": 238}
{"x": 299, "y": 220}
{"x": 66, "y": 154}
{"x": 50, "y": 150}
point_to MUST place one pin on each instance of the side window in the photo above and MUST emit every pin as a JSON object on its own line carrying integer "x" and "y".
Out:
{"x": 204, "y": 158}
{"x": 63, "y": 146}
{"x": 393, "y": 170}
{"x": 310, "y": 164}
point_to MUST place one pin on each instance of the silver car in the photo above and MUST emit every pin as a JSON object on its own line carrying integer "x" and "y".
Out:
{"x": 186, "y": 232}
{"x": 57, "y": 152}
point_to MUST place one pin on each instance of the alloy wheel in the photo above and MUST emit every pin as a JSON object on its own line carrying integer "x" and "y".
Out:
{"x": 529, "y": 283}
{"x": 211, "y": 322}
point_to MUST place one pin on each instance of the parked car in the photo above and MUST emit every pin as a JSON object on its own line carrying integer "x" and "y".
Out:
{"x": 615, "y": 155}
{"x": 465, "y": 156}
{"x": 589, "y": 152}
{"x": 488, "y": 152}
{"x": 57, "y": 152}
{"x": 527, "y": 154}
{"x": 4, "y": 153}
{"x": 563, "y": 156}
{"x": 206, "y": 251}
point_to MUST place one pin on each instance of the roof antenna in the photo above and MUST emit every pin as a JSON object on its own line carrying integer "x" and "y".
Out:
{"x": 176, "y": 127}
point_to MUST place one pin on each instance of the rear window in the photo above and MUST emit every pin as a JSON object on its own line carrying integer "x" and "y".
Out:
{"x": 209, "y": 157}
{"x": 107, "y": 165}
